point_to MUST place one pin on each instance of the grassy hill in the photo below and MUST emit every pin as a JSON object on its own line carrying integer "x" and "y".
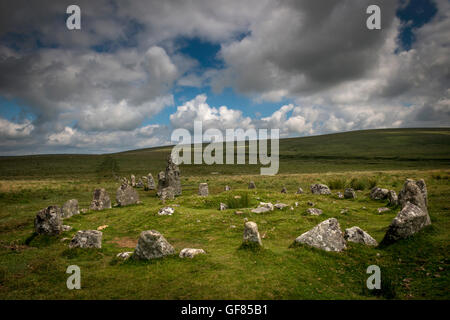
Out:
{"x": 416, "y": 268}
{"x": 385, "y": 149}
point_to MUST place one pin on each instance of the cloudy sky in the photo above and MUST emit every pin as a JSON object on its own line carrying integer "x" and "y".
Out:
{"x": 139, "y": 69}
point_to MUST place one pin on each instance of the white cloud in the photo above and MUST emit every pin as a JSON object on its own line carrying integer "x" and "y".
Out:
{"x": 12, "y": 130}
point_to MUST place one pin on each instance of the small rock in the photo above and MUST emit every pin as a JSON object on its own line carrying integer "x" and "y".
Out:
{"x": 280, "y": 206}
{"x": 340, "y": 195}
{"x": 87, "y": 239}
{"x": 251, "y": 185}
{"x": 310, "y": 203}
{"x": 66, "y": 228}
{"x": 124, "y": 255}
{"x": 314, "y": 211}
{"x": 227, "y": 188}
{"x": 239, "y": 212}
{"x": 166, "y": 211}
{"x": 296, "y": 204}
{"x": 299, "y": 191}
{"x": 382, "y": 209}
{"x": 190, "y": 252}
{"x": 349, "y": 193}
{"x": 167, "y": 193}
{"x": 319, "y": 188}
{"x": 102, "y": 227}
{"x": 284, "y": 190}
{"x": 378, "y": 193}
{"x": 223, "y": 206}
{"x": 263, "y": 207}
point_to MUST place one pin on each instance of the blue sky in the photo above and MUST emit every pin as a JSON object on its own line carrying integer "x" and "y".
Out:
{"x": 135, "y": 72}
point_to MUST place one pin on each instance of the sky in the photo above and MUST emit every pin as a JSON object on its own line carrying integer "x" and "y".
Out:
{"x": 138, "y": 70}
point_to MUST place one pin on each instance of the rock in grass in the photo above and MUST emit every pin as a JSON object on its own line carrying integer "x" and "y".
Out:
{"x": 349, "y": 193}
{"x": 393, "y": 198}
{"x": 340, "y": 195}
{"x": 167, "y": 193}
{"x": 284, "y": 190}
{"x": 223, "y": 206}
{"x": 152, "y": 245}
{"x": 70, "y": 208}
{"x": 87, "y": 239}
{"x": 357, "y": 235}
{"x": 140, "y": 184}
{"x": 203, "y": 190}
{"x": 414, "y": 192}
{"x": 227, "y": 188}
{"x": 150, "y": 182}
{"x": 252, "y": 185}
{"x": 126, "y": 195}
{"x": 166, "y": 211}
{"x": 327, "y": 236}
{"x": 100, "y": 200}
{"x": 319, "y": 188}
{"x": 190, "y": 252}
{"x": 280, "y": 206}
{"x": 48, "y": 221}
{"x": 314, "y": 211}
{"x": 66, "y": 228}
{"x": 263, "y": 207}
{"x": 408, "y": 221}
{"x": 299, "y": 191}
{"x": 382, "y": 209}
{"x": 124, "y": 255}
{"x": 378, "y": 193}
{"x": 310, "y": 203}
{"x": 251, "y": 234}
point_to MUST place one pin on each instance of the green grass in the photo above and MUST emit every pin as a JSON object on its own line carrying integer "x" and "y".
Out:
{"x": 33, "y": 267}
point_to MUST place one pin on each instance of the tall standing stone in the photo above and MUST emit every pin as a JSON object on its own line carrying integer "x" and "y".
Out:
{"x": 161, "y": 181}
{"x": 70, "y": 208}
{"x": 251, "y": 234}
{"x": 203, "y": 190}
{"x": 100, "y": 200}
{"x": 48, "y": 221}
{"x": 414, "y": 192}
{"x": 172, "y": 176}
{"x": 133, "y": 180}
{"x": 150, "y": 182}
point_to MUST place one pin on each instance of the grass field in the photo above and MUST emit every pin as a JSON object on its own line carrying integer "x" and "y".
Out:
{"x": 416, "y": 268}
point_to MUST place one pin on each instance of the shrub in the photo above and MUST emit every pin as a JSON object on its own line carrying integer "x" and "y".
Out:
{"x": 363, "y": 183}
{"x": 236, "y": 203}
{"x": 337, "y": 183}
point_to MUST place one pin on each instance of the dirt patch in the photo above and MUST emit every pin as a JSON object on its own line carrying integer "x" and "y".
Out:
{"x": 125, "y": 242}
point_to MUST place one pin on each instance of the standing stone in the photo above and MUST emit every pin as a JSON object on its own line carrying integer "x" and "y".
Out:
{"x": 393, "y": 198}
{"x": 284, "y": 190}
{"x": 48, "y": 221}
{"x": 251, "y": 185}
{"x": 349, "y": 193}
{"x": 299, "y": 191}
{"x": 327, "y": 236}
{"x": 140, "y": 184}
{"x": 152, "y": 245}
{"x": 167, "y": 193}
{"x": 87, "y": 239}
{"x": 150, "y": 182}
{"x": 357, "y": 235}
{"x": 203, "y": 189}
{"x": 100, "y": 200}
{"x": 172, "y": 176}
{"x": 126, "y": 195}
{"x": 408, "y": 221}
{"x": 251, "y": 234}
{"x": 190, "y": 252}
{"x": 227, "y": 188}
{"x": 319, "y": 188}
{"x": 414, "y": 192}
{"x": 70, "y": 208}
{"x": 378, "y": 193}
{"x": 133, "y": 180}
{"x": 161, "y": 181}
